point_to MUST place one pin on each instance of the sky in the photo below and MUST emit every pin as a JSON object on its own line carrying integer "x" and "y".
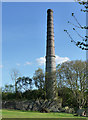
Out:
{"x": 38, "y": 0}
{"x": 24, "y": 27}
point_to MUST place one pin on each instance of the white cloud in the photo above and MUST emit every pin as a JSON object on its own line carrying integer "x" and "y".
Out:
{"x": 41, "y": 61}
{"x": 28, "y": 63}
{"x": 59, "y": 60}
{"x": 1, "y": 66}
{"x": 18, "y": 64}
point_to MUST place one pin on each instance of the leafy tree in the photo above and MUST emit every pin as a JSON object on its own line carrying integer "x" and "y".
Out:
{"x": 8, "y": 89}
{"x": 72, "y": 75}
{"x": 33, "y": 94}
{"x": 24, "y": 83}
{"x": 83, "y": 43}
{"x": 67, "y": 96}
{"x": 38, "y": 78}
{"x": 8, "y": 92}
{"x": 39, "y": 82}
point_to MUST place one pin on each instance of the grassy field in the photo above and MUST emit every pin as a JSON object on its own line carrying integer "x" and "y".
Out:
{"x": 28, "y": 114}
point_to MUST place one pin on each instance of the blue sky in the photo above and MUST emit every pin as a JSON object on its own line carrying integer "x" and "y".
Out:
{"x": 24, "y": 27}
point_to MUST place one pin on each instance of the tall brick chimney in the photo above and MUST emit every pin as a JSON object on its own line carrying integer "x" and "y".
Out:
{"x": 50, "y": 80}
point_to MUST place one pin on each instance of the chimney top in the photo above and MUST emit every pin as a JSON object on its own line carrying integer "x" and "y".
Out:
{"x": 49, "y": 10}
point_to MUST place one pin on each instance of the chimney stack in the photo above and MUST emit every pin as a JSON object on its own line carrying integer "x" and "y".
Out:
{"x": 50, "y": 80}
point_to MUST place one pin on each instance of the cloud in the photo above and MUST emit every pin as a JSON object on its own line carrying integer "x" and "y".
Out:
{"x": 41, "y": 61}
{"x": 28, "y": 63}
{"x": 18, "y": 64}
{"x": 59, "y": 60}
{"x": 1, "y": 66}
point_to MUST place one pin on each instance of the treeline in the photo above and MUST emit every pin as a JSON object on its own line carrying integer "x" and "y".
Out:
{"x": 71, "y": 85}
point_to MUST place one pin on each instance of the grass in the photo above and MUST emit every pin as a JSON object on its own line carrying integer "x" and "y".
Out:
{"x": 29, "y": 114}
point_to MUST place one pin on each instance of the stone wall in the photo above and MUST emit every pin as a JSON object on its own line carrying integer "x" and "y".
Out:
{"x": 32, "y": 105}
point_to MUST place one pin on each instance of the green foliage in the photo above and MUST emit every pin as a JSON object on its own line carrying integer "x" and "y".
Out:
{"x": 67, "y": 96}
{"x": 8, "y": 88}
{"x": 33, "y": 94}
{"x": 38, "y": 78}
{"x": 8, "y": 93}
{"x": 72, "y": 75}
{"x": 8, "y": 96}
{"x": 24, "y": 83}
{"x": 71, "y": 84}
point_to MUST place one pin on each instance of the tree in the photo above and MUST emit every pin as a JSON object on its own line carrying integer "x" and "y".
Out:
{"x": 38, "y": 78}
{"x": 84, "y": 44}
{"x": 14, "y": 75}
{"x": 72, "y": 75}
{"x": 8, "y": 92}
{"x": 8, "y": 88}
{"x": 24, "y": 83}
